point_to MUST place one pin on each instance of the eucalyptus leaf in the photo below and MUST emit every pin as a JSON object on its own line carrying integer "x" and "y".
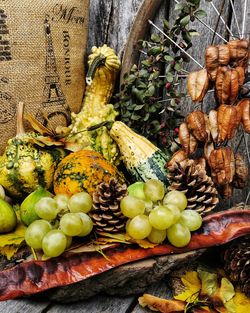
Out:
{"x": 200, "y": 13}
{"x": 185, "y": 20}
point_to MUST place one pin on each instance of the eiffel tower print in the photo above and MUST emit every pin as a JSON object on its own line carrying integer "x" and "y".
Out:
{"x": 54, "y": 106}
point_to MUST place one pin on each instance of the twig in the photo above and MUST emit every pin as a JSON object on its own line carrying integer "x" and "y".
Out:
{"x": 246, "y": 144}
{"x": 184, "y": 51}
{"x": 207, "y": 26}
{"x": 222, "y": 19}
{"x": 235, "y": 17}
{"x": 244, "y": 18}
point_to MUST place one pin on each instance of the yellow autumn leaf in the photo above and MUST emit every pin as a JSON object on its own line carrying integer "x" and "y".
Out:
{"x": 242, "y": 302}
{"x": 10, "y": 242}
{"x": 193, "y": 285}
{"x": 143, "y": 243}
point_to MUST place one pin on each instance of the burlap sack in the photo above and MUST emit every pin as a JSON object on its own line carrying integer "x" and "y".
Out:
{"x": 42, "y": 46}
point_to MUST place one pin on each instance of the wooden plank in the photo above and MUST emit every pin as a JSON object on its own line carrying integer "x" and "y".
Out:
{"x": 22, "y": 305}
{"x": 110, "y": 22}
{"x": 104, "y": 304}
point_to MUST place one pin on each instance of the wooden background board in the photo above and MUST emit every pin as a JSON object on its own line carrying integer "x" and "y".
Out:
{"x": 110, "y": 22}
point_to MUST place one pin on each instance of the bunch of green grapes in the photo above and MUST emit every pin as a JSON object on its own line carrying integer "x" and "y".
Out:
{"x": 61, "y": 218}
{"x": 156, "y": 215}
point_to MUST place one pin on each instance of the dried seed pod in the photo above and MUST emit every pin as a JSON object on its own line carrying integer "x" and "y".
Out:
{"x": 241, "y": 172}
{"x": 222, "y": 165}
{"x": 212, "y": 61}
{"x": 208, "y": 148}
{"x": 197, "y": 84}
{"x": 177, "y": 157}
{"x": 226, "y": 191}
{"x": 227, "y": 85}
{"x": 187, "y": 140}
{"x": 228, "y": 119}
{"x": 223, "y": 54}
{"x": 244, "y": 105}
{"x": 241, "y": 75}
{"x": 202, "y": 162}
{"x": 238, "y": 49}
{"x": 213, "y": 124}
{"x": 197, "y": 125}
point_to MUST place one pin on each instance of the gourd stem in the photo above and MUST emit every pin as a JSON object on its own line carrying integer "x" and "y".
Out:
{"x": 99, "y": 60}
{"x": 19, "y": 126}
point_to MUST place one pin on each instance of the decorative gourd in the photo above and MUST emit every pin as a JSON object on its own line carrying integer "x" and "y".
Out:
{"x": 142, "y": 159}
{"x": 103, "y": 68}
{"x": 83, "y": 171}
{"x": 27, "y": 162}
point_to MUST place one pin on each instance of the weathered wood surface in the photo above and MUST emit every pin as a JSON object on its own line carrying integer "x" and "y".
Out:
{"x": 110, "y": 22}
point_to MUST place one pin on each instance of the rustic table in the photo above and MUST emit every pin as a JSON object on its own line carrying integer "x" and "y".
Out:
{"x": 110, "y": 22}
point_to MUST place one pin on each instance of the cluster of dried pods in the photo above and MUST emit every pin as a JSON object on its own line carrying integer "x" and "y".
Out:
{"x": 226, "y": 68}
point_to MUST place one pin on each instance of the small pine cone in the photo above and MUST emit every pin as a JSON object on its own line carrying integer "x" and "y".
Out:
{"x": 192, "y": 179}
{"x": 106, "y": 213}
{"x": 237, "y": 263}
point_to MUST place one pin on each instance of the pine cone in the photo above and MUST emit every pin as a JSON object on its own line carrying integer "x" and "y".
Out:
{"x": 237, "y": 263}
{"x": 106, "y": 213}
{"x": 192, "y": 179}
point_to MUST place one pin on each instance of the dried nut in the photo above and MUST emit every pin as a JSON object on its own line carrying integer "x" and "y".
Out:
{"x": 238, "y": 49}
{"x": 222, "y": 165}
{"x": 228, "y": 119}
{"x": 241, "y": 172}
{"x": 197, "y": 84}
{"x": 245, "y": 114}
{"x": 227, "y": 85}
{"x": 224, "y": 54}
{"x": 226, "y": 191}
{"x": 188, "y": 142}
{"x": 197, "y": 125}
{"x": 177, "y": 157}
{"x": 213, "y": 124}
{"x": 212, "y": 61}
{"x": 241, "y": 75}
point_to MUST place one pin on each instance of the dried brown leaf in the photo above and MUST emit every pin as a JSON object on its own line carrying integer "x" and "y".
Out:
{"x": 213, "y": 124}
{"x": 184, "y": 137}
{"x": 212, "y": 61}
{"x": 241, "y": 75}
{"x": 161, "y": 305}
{"x": 223, "y": 84}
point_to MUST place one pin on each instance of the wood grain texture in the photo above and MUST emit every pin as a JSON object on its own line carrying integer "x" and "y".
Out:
{"x": 22, "y": 306}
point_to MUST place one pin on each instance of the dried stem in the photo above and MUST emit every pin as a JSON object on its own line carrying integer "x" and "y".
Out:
{"x": 184, "y": 51}
{"x": 222, "y": 19}
{"x": 235, "y": 17}
{"x": 19, "y": 126}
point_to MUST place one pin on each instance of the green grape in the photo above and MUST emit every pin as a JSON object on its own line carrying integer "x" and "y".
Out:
{"x": 178, "y": 235}
{"x": 154, "y": 190}
{"x": 35, "y": 232}
{"x": 46, "y": 208}
{"x": 80, "y": 202}
{"x": 177, "y": 198}
{"x": 87, "y": 224}
{"x": 131, "y": 206}
{"x": 157, "y": 236}
{"x": 2, "y": 192}
{"x": 176, "y": 212}
{"x": 139, "y": 227}
{"x": 148, "y": 206}
{"x": 191, "y": 219}
{"x": 54, "y": 243}
{"x": 137, "y": 190}
{"x": 127, "y": 224}
{"x": 62, "y": 203}
{"x": 161, "y": 218}
{"x": 69, "y": 241}
{"x": 71, "y": 224}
